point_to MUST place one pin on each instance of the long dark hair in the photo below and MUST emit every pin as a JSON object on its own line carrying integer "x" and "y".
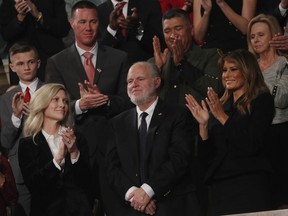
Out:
{"x": 247, "y": 64}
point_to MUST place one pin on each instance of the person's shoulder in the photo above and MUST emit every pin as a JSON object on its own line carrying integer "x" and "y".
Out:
{"x": 64, "y": 52}
{"x": 9, "y": 94}
{"x": 124, "y": 114}
{"x": 25, "y": 141}
{"x": 264, "y": 98}
{"x": 171, "y": 108}
{"x": 112, "y": 51}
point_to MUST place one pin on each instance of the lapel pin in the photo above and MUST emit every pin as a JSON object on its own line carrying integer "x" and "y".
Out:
{"x": 159, "y": 114}
{"x": 99, "y": 70}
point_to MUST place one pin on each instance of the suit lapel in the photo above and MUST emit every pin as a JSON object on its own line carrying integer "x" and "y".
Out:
{"x": 133, "y": 137}
{"x": 101, "y": 62}
{"x": 40, "y": 83}
{"x": 75, "y": 60}
{"x": 43, "y": 147}
{"x": 156, "y": 121}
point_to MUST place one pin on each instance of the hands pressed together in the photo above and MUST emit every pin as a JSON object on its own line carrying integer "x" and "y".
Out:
{"x": 117, "y": 20}
{"x": 23, "y": 7}
{"x": 201, "y": 112}
{"x": 177, "y": 48}
{"x": 140, "y": 201}
{"x": 91, "y": 97}
{"x": 68, "y": 145}
{"x": 280, "y": 42}
{"x": 19, "y": 107}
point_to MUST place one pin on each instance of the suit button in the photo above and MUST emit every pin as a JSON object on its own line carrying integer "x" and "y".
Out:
{"x": 175, "y": 86}
{"x": 136, "y": 174}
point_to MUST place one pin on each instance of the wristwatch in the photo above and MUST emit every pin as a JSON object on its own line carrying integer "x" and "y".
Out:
{"x": 140, "y": 29}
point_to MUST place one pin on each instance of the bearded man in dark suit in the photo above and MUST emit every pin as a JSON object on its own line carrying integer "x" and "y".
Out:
{"x": 153, "y": 178}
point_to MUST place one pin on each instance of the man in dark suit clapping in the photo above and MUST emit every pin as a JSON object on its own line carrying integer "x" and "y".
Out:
{"x": 101, "y": 73}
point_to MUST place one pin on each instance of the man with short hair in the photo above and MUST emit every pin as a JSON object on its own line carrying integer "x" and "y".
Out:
{"x": 15, "y": 107}
{"x": 150, "y": 152}
{"x": 95, "y": 77}
{"x": 185, "y": 67}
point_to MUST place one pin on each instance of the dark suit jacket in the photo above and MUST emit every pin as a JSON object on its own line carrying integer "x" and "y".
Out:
{"x": 281, "y": 19}
{"x": 169, "y": 155}
{"x": 66, "y": 68}
{"x": 10, "y": 135}
{"x": 149, "y": 13}
{"x": 46, "y": 37}
{"x": 55, "y": 192}
{"x": 239, "y": 146}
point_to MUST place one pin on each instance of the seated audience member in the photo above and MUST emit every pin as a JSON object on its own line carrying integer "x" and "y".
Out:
{"x": 222, "y": 23}
{"x": 131, "y": 26}
{"x": 150, "y": 152}
{"x": 53, "y": 159}
{"x": 40, "y": 23}
{"x": 274, "y": 68}
{"x": 14, "y": 110}
{"x": 8, "y": 191}
{"x": 234, "y": 130}
{"x": 185, "y": 67}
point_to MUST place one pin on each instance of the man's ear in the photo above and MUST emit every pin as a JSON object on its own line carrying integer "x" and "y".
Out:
{"x": 38, "y": 63}
{"x": 12, "y": 67}
{"x": 157, "y": 82}
{"x": 71, "y": 23}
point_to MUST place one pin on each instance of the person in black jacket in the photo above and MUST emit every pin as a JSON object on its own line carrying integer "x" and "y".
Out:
{"x": 233, "y": 140}
{"x": 40, "y": 23}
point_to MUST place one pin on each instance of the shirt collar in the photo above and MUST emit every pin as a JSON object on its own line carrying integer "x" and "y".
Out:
{"x": 114, "y": 2}
{"x": 49, "y": 136}
{"x": 93, "y": 50}
{"x": 32, "y": 86}
{"x": 150, "y": 109}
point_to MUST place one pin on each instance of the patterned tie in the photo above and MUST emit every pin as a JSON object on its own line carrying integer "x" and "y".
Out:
{"x": 142, "y": 142}
{"x": 121, "y": 4}
{"x": 27, "y": 95}
{"x": 89, "y": 67}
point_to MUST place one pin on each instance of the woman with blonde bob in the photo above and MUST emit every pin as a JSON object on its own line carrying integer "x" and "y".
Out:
{"x": 233, "y": 140}
{"x": 53, "y": 159}
{"x": 261, "y": 31}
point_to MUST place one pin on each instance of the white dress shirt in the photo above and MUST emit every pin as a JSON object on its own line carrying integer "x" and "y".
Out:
{"x": 148, "y": 118}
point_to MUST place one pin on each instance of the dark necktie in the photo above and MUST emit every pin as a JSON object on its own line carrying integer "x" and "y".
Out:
{"x": 27, "y": 95}
{"x": 142, "y": 142}
{"x": 89, "y": 67}
{"x": 121, "y": 4}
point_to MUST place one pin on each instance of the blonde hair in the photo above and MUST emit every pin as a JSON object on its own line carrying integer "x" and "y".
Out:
{"x": 39, "y": 102}
{"x": 270, "y": 21}
{"x": 247, "y": 64}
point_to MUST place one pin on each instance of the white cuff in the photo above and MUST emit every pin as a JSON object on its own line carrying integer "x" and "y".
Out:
{"x": 78, "y": 111}
{"x": 56, "y": 164}
{"x": 148, "y": 190}
{"x": 111, "y": 31}
{"x": 73, "y": 161}
{"x": 128, "y": 193}
{"x": 16, "y": 121}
